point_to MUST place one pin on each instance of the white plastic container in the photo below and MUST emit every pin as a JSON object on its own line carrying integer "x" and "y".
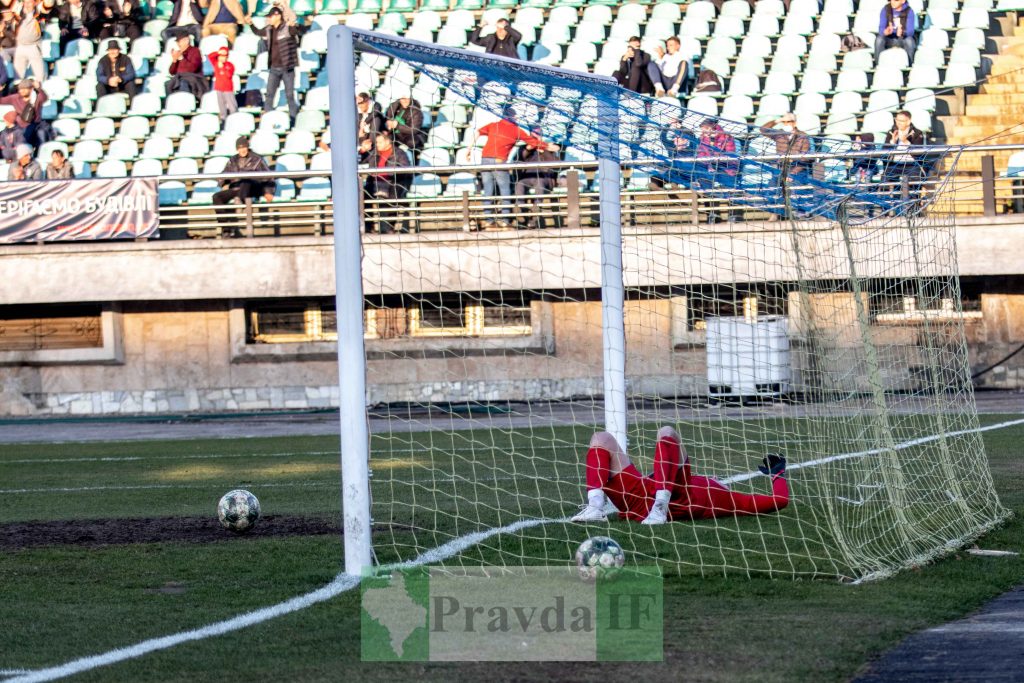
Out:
{"x": 748, "y": 358}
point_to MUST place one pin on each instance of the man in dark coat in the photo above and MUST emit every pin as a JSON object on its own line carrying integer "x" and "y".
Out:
{"x": 632, "y": 73}
{"x": 187, "y": 69}
{"x": 404, "y": 118}
{"x": 244, "y": 161}
{"x": 382, "y": 186}
{"x": 540, "y": 181}
{"x": 280, "y": 35}
{"x": 504, "y": 42}
{"x": 115, "y": 73}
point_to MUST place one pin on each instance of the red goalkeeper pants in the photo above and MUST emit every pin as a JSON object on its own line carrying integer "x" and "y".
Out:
{"x": 692, "y": 497}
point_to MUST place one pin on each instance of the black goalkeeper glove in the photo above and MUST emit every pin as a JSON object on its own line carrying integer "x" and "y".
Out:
{"x": 772, "y": 464}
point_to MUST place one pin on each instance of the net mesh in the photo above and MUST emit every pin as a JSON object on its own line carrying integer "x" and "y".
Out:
{"x": 834, "y": 337}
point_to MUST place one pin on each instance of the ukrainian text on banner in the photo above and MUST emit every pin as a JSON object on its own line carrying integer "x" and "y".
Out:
{"x": 95, "y": 209}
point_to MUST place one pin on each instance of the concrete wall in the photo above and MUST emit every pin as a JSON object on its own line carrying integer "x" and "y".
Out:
{"x": 174, "y": 331}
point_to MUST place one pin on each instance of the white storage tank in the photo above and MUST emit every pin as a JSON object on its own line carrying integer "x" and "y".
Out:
{"x": 748, "y": 358}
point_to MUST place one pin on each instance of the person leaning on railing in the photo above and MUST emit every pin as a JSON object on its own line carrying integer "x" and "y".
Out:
{"x": 539, "y": 180}
{"x": 382, "y": 186}
{"x": 243, "y": 162}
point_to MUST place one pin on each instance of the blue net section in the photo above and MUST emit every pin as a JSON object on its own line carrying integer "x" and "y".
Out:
{"x": 591, "y": 116}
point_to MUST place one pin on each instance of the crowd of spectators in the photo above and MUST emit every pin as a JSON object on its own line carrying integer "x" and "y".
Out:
{"x": 389, "y": 137}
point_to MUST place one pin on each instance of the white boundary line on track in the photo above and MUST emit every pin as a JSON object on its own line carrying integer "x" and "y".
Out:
{"x": 346, "y": 582}
{"x": 340, "y": 584}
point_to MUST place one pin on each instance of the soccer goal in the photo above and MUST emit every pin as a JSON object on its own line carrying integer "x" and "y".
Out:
{"x": 757, "y": 301}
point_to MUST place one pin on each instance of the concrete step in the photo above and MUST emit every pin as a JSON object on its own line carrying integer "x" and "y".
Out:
{"x": 998, "y": 99}
{"x": 1005, "y": 63}
{"x": 1003, "y": 85}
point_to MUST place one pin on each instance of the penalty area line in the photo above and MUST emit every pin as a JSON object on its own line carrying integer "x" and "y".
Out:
{"x": 341, "y": 584}
{"x": 346, "y": 582}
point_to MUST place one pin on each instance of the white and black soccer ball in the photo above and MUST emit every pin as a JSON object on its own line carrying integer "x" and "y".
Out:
{"x": 238, "y": 510}
{"x": 599, "y": 556}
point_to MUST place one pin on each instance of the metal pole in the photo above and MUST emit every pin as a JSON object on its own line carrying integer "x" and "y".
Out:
{"x": 348, "y": 276}
{"x": 613, "y": 298}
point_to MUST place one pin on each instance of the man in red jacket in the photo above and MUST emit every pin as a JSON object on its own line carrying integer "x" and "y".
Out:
{"x": 502, "y": 136}
{"x": 187, "y": 68}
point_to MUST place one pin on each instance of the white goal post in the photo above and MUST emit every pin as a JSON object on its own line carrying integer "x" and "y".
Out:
{"x": 355, "y": 435}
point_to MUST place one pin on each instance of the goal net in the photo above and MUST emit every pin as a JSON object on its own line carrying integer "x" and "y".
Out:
{"x": 751, "y": 291}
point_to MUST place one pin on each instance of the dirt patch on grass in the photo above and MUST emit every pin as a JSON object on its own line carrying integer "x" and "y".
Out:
{"x": 100, "y": 532}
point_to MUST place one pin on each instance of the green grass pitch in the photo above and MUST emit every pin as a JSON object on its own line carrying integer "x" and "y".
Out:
{"x": 65, "y": 601}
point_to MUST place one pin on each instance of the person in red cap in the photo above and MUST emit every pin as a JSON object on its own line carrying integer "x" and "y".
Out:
{"x": 224, "y": 82}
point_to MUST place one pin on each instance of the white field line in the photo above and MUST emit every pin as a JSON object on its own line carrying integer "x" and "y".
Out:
{"x": 340, "y": 584}
{"x": 345, "y": 582}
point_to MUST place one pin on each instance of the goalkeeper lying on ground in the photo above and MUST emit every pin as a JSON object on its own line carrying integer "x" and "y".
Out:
{"x": 671, "y": 492}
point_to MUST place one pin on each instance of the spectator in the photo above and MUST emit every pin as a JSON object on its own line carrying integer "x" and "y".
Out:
{"x": 11, "y": 137}
{"x": 187, "y": 68}
{"x": 115, "y": 73}
{"x": 501, "y": 138}
{"x": 714, "y": 142}
{"x": 404, "y": 118}
{"x": 668, "y": 72}
{"x": 369, "y": 121}
{"x": 504, "y": 42}
{"x": 383, "y": 186}
{"x": 8, "y": 34}
{"x": 863, "y": 168}
{"x": 708, "y": 82}
{"x": 896, "y": 26}
{"x": 4, "y": 79}
{"x": 223, "y": 18}
{"x": 24, "y": 167}
{"x": 186, "y": 17}
{"x": 47, "y": 11}
{"x": 224, "y": 82}
{"x": 28, "y": 105}
{"x": 678, "y": 143}
{"x": 282, "y": 55}
{"x": 72, "y": 19}
{"x": 540, "y": 181}
{"x": 632, "y": 73}
{"x": 902, "y": 136}
{"x": 788, "y": 140}
{"x": 27, "y": 52}
{"x": 240, "y": 188}
{"x": 122, "y": 19}
{"x": 59, "y": 168}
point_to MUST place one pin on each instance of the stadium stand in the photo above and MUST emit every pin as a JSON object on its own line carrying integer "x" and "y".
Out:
{"x": 771, "y": 60}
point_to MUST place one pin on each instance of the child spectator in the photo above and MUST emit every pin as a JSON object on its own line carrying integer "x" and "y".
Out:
{"x": 224, "y": 82}
{"x": 11, "y": 137}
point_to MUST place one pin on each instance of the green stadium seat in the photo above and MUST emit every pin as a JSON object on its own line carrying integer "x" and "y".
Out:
{"x": 240, "y": 123}
{"x": 146, "y": 104}
{"x": 87, "y": 151}
{"x": 543, "y": 4}
{"x": 555, "y": 33}
{"x": 798, "y": 24}
{"x": 164, "y": 8}
{"x": 224, "y": 145}
{"x": 886, "y": 79}
{"x": 67, "y": 130}
{"x": 146, "y": 47}
{"x": 459, "y": 183}
{"x": 154, "y": 27}
{"x": 112, "y": 168}
{"x": 170, "y": 126}
{"x": 877, "y": 122}
{"x": 318, "y": 99}
{"x": 284, "y": 190}
{"x": 920, "y": 98}
{"x": 81, "y": 49}
{"x": 425, "y": 186}
{"x": 290, "y": 162}
{"x": 965, "y": 54}
{"x": 99, "y": 128}
{"x": 158, "y": 147}
{"x": 214, "y": 165}
{"x": 195, "y": 147}
{"x": 264, "y": 143}
{"x": 315, "y": 189}
{"x": 368, "y": 6}
{"x": 299, "y": 142}
{"x": 203, "y": 191}
{"x": 737, "y": 108}
{"x": 147, "y": 168}
{"x": 773, "y": 106}
{"x": 435, "y": 5}
{"x": 112, "y": 105}
{"x": 744, "y": 84}
{"x": 134, "y": 127}
{"x": 172, "y": 193}
{"x": 923, "y": 77}
{"x": 76, "y": 107}
{"x": 303, "y": 7}
{"x": 959, "y": 75}
{"x": 703, "y": 104}
{"x": 311, "y": 120}
{"x": 779, "y": 83}
{"x": 404, "y": 6}
{"x": 183, "y": 166}
{"x": 122, "y": 149}
{"x": 56, "y": 88}
{"x": 247, "y": 43}
{"x": 321, "y": 161}
{"x": 810, "y": 103}
{"x": 180, "y": 103}
{"x": 852, "y": 80}
{"x": 68, "y": 69}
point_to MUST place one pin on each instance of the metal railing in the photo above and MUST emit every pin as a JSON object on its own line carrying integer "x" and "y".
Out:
{"x": 570, "y": 205}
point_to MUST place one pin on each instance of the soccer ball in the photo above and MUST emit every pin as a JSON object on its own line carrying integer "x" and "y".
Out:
{"x": 238, "y": 511}
{"x": 599, "y": 556}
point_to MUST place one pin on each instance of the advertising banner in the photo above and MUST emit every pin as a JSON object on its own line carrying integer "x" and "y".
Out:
{"x": 68, "y": 210}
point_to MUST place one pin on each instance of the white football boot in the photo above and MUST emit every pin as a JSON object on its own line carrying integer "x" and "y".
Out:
{"x": 658, "y": 513}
